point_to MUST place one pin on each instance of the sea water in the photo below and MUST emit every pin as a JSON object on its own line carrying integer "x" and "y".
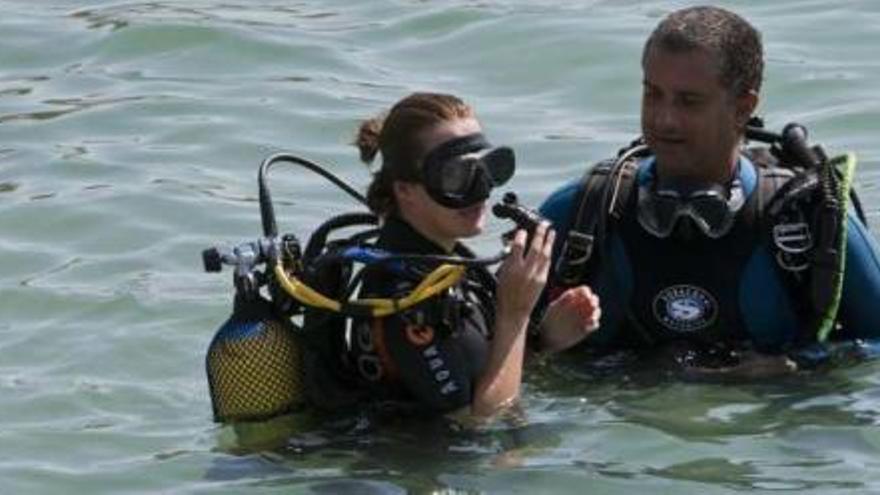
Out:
{"x": 130, "y": 135}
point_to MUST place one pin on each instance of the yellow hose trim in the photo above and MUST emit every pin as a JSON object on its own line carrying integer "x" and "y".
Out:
{"x": 442, "y": 278}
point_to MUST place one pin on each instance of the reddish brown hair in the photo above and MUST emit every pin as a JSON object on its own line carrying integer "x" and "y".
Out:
{"x": 397, "y": 135}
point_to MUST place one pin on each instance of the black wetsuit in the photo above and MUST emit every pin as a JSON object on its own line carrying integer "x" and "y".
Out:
{"x": 431, "y": 355}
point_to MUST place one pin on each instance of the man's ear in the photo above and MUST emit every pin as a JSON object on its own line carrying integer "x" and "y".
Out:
{"x": 745, "y": 107}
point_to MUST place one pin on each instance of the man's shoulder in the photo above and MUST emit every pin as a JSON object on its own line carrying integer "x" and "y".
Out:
{"x": 558, "y": 204}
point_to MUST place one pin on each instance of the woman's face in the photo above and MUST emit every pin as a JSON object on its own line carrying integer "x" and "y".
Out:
{"x": 440, "y": 224}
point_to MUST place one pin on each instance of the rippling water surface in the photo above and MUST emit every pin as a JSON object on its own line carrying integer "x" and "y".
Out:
{"x": 130, "y": 133}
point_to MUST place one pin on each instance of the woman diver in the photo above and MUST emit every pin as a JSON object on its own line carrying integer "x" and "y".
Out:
{"x": 463, "y": 348}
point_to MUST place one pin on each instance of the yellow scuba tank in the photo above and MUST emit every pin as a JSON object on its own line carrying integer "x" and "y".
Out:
{"x": 254, "y": 364}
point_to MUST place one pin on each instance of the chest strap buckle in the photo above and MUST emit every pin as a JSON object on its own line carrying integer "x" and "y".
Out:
{"x": 576, "y": 252}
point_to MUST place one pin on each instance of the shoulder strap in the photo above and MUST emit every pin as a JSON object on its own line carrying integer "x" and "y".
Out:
{"x": 604, "y": 192}
{"x": 578, "y": 244}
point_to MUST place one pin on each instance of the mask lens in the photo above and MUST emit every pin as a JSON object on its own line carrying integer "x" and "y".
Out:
{"x": 660, "y": 211}
{"x": 709, "y": 208}
{"x": 456, "y": 175}
{"x": 501, "y": 164}
{"x": 462, "y": 172}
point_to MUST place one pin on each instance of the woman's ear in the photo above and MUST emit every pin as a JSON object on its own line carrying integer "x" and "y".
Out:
{"x": 404, "y": 193}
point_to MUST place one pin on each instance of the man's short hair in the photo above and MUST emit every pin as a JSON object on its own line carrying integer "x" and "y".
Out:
{"x": 725, "y": 36}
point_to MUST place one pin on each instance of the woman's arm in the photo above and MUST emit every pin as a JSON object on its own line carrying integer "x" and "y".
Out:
{"x": 520, "y": 280}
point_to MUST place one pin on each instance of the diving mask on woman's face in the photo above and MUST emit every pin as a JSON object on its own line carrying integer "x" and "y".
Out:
{"x": 461, "y": 172}
{"x": 711, "y": 210}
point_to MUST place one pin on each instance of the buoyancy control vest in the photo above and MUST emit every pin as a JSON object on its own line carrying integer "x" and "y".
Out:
{"x": 681, "y": 284}
{"x": 339, "y": 372}
{"x": 795, "y": 210}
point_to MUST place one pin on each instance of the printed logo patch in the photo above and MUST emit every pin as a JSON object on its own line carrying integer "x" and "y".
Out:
{"x": 685, "y": 308}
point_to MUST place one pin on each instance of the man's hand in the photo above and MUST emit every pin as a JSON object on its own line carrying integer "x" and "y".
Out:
{"x": 569, "y": 319}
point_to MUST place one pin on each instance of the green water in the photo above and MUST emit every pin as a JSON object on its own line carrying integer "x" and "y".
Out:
{"x": 130, "y": 133}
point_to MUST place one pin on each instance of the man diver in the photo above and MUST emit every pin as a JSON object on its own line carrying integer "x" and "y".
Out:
{"x": 673, "y": 235}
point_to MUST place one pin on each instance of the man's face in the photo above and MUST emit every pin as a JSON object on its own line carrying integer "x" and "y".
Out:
{"x": 691, "y": 122}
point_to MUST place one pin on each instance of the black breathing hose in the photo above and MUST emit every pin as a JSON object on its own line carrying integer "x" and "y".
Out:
{"x": 267, "y": 210}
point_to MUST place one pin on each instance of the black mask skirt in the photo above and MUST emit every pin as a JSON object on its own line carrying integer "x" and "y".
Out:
{"x": 461, "y": 172}
{"x": 712, "y": 210}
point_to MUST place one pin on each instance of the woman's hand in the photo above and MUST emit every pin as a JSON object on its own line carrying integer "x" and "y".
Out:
{"x": 570, "y": 318}
{"x": 522, "y": 276}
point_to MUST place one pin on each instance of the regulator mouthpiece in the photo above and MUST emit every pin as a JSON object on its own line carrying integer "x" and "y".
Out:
{"x": 525, "y": 218}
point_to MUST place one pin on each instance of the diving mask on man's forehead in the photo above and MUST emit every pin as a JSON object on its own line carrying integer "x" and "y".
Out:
{"x": 461, "y": 172}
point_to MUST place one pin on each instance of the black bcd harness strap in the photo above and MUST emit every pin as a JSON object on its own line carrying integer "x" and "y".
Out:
{"x": 609, "y": 185}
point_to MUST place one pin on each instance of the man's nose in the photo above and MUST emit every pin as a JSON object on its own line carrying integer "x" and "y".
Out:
{"x": 666, "y": 117}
